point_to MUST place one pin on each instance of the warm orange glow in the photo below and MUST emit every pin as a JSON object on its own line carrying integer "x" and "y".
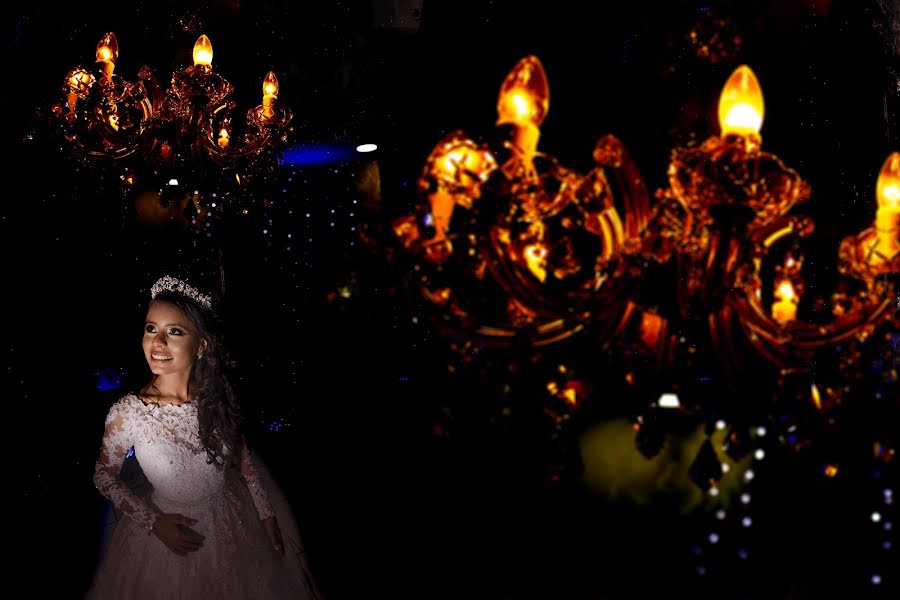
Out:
{"x": 108, "y": 48}
{"x": 270, "y": 85}
{"x": 459, "y": 160}
{"x": 741, "y": 104}
{"x": 223, "y": 137}
{"x": 651, "y": 328}
{"x": 79, "y": 79}
{"x": 203, "y": 52}
{"x": 887, "y": 190}
{"x": 784, "y": 309}
{"x": 525, "y": 94}
{"x": 785, "y": 291}
{"x": 536, "y": 259}
{"x": 831, "y": 470}
{"x": 816, "y": 397}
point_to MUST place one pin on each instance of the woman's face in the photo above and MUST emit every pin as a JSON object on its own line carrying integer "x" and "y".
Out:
{"x": 171, "y": 343}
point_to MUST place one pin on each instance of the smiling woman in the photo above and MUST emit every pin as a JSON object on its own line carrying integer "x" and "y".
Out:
{"x": 217, "y": 534}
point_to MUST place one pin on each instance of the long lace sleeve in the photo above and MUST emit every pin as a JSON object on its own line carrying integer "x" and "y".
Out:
{"x": 251, "y": 478}
{"x": 117, "y": 440}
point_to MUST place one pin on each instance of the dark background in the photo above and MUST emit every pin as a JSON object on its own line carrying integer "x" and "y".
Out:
{"x": 345, "y": 399}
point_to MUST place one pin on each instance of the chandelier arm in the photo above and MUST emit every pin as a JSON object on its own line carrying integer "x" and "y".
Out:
{"x": 230, "y": 155}
{"x": 611, "y": 154}
{"x": 154, "y": 92}
{"x": 82, "y": 151}
{"x": 772, "y": 340}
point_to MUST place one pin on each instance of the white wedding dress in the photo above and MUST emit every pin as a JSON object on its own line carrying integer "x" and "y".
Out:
{"x": 236, "y": 560}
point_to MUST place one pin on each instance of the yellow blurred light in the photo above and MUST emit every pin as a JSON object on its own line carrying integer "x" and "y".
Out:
{"x": 887, "y": 190}
{"x": 816, "y": 397}
{"x": 460, "y": 161}
{"x": 536, "y": 259}
{"x": 203, "y": 52}
{"x": 785, "y": 291}
{"x": 741, "y": 107}
{"x": 831, "y": 470}
{"x": 525, "y": 94}
{"x": 784, "y": 309}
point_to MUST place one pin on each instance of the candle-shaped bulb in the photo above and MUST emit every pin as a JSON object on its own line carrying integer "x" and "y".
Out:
{"x": 525, "y": 94}
{"x": 270, "y": 85}
{"x": 270, "y": 92}
{"x": 741, "y": 107}
{"x": 887, "y": 217}
{"x": 887, "y": 189}
{"x": 223, "y": 137}
{"x": 108, "y": 48}
{"x": 203, "y": 52}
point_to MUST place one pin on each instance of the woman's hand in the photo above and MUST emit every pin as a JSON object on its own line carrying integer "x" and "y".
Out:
{"x": 175, "y": 532}
{"x": 270, "y": 524}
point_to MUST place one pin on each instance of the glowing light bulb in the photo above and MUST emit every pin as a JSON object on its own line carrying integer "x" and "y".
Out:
{"x": 525, "y": 94}
{"x": 203, "y": 52}
{"x": 887, "y": 190}
{"x": 887, "y": 218}
{"x": 270, "y": 93}
{"x": 741, "y": 104}
{"x": 270, "y": 85}
{"x": 784, "y": 309}
{"x": 108, "y": 48}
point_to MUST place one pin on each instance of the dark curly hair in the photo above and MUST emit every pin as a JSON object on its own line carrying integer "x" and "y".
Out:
{"x": 208, "y": 386}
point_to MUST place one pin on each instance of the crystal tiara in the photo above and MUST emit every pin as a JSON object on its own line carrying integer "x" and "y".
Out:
{"x": 167, "y": 283}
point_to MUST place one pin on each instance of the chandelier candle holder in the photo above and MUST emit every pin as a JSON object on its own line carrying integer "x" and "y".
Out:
{"x": 185, "y": 131}
{"x": 513, "y": 250}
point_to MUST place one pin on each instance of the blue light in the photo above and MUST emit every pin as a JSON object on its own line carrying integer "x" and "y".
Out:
{"x": 317, "y": 154}
{"x": 108, "y": 379}
{"x": 130, "y": 452}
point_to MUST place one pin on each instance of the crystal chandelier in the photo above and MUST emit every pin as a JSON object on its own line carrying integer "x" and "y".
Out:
{"x": 696, "y": 294}
{"x": 186, "y": 132}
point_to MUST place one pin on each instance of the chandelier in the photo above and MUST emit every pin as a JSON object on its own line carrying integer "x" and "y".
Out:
{"x": 187, "y": 132}
{"x": 695, "y": 298}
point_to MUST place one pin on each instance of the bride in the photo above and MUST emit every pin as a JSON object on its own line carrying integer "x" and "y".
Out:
{"x": 207, "y": 528}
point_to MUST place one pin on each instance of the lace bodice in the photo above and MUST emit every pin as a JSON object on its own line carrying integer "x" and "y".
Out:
{"x": 167, "y": 445}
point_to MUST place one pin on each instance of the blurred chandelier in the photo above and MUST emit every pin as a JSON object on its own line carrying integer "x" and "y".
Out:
{"x": 185, "y": 131}
{"x": 514, "y": 250}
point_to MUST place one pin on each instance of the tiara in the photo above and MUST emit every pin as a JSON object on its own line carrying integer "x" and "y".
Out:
{"x": 167, "y": 283}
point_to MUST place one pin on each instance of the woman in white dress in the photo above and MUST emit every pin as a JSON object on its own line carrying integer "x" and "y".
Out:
{"x": 207, "y": 528}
